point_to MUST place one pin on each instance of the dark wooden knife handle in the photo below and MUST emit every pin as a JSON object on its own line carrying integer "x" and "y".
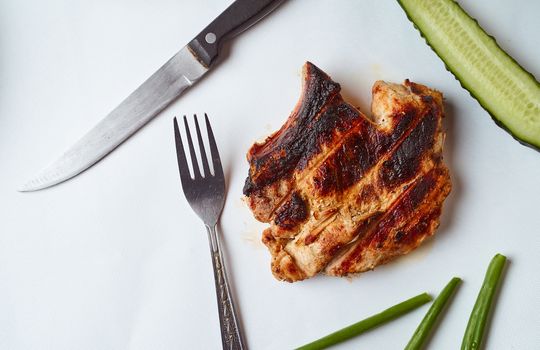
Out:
{"x": 239, "y": 16}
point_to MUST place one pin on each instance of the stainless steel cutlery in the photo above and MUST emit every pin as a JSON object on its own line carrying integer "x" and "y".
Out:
{"x": 205, "y": 192}
{"x": 155, "y": 94}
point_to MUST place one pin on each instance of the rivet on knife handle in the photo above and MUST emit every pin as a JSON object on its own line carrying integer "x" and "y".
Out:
{"x": 236, "y": 18}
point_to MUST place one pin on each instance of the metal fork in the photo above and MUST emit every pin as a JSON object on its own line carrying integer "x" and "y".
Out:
{"x": 206, "y": 196}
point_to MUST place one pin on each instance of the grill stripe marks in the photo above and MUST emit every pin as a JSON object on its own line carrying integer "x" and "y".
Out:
{"x": 404, "y": 209}
{"x": 339, "y": 116}
{"x": 410, "y": 238}
{"x": 405, "y": 160}
{"x": 337, "y": 119}
{"x": 402, "y": 228}
{"x": 292, "y": 213}
{"x": 330, "y": 178}
{"x": 333, "y": 237}
{"x": 299, "y": 181}
{"x": 324, "y": 243}
{"x": 360, "y": 152}
{"x": 279, "y": 154}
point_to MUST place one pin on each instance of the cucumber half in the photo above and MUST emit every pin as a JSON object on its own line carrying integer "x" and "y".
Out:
{"x": 509, "y": 93}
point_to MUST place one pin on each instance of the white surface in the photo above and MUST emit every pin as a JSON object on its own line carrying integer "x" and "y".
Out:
{"x": 115, "y": 258}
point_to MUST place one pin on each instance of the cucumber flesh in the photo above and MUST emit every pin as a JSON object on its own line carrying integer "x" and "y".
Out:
{"x": 509, "y": 93}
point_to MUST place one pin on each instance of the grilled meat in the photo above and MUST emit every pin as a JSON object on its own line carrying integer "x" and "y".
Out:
{"x": 344, "y": 193}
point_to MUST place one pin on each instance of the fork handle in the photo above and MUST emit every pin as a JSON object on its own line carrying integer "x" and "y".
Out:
{"x": 231, "y": 336}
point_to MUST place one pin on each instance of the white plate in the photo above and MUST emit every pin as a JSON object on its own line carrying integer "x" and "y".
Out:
{"x": 115, "y": 259}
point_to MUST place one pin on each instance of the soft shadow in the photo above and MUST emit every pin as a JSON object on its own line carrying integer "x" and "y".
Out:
{"x": 450, "y": 125}
{"x": 227, "y": 171}
{"x": 485, "y": 339}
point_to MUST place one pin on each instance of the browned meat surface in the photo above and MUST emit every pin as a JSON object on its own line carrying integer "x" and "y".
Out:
{"x": 344, "y": 193}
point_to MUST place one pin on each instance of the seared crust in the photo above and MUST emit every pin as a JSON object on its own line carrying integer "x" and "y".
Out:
{"x": 344, "y": 193}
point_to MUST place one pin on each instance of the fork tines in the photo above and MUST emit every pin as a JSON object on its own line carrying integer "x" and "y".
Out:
{"x": 182, "y": 160}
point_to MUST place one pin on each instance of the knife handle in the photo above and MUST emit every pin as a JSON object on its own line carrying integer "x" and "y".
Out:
{"x": 239, "y": 16}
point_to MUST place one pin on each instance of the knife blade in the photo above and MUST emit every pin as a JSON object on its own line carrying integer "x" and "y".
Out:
{"x": 162, "y": 88}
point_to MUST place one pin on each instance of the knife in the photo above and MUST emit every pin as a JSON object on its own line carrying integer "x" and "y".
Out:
{"x": 183, "y": 70}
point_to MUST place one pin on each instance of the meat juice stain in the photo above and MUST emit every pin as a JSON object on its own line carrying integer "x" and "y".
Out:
{"x": 239, "y": 204}
{"x": 252, "y": 236}
{"x": 252, "y": 231}
{"x": 376, "y": 71}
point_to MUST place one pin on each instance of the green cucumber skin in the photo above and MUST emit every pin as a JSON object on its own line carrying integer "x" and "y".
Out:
{"x": 493, "y": 117}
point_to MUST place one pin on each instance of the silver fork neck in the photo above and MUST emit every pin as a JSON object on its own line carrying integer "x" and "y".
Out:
{"x": 213, "y": 239}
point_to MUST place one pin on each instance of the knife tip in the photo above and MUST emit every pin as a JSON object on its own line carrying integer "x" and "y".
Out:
{"x": 35, "y": 184}
{"x": 27, "y": 187}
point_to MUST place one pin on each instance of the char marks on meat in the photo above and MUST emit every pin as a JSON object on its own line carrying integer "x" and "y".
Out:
{"x": 342, "y": 192}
